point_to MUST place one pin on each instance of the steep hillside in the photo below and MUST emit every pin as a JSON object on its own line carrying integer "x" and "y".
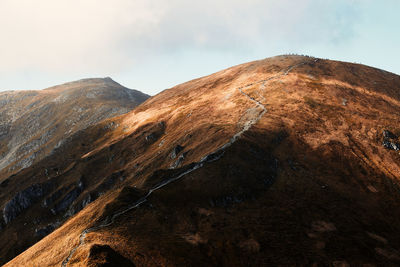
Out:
{"x": 33, "y": 123}
{"x": 284, "y": 161}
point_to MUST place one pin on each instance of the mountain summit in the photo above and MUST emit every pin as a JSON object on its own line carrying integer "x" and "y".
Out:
{"x": 34, "y": 123}
{"x": 284, "y": 161}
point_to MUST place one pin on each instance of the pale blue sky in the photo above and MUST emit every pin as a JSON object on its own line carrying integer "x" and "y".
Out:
{"x": 151, "y": 45}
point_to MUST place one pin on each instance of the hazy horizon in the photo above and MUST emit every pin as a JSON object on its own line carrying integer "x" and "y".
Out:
{"x": 153, "y": 45}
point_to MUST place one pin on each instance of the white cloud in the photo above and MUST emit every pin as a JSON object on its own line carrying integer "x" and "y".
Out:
{"x": 62, "y": 34}
{"x": 103, "y": 35}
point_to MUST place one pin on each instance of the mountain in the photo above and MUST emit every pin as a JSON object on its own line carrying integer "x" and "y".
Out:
{"x": 34, "y": 123}
{"x": 289, "y": 160}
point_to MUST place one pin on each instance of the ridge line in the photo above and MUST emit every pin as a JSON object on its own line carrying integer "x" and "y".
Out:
{"x": 213, "y": 156}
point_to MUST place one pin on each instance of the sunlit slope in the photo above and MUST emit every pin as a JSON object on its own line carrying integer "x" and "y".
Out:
{"x": 283, "y": 161}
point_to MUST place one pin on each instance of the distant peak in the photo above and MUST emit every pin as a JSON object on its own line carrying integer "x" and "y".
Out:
{"x": 88, "y": 81}
{"x": 108, "y": 79}
{"x": 91, "y": 80}
{"x": 293, "y": 56}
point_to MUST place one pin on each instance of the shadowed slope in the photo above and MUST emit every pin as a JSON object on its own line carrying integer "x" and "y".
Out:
{"x": 104, "y": 256}
{"x": 274, "y": 162}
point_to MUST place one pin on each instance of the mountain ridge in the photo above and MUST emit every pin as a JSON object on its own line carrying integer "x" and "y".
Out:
{"x": 24, "y": 114}
{"x": 306, "y": 180}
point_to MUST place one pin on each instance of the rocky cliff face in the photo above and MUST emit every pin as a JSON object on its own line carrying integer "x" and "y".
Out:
{"x": 279, "y": 162}
{"x": 21, "y": 201}
{"x": 34, "y": 123}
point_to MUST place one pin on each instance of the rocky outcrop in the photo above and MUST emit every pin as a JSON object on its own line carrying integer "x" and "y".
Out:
{"x": 155, "y": 132}
{"x": 103, "y": 187}
{"x": 68, "y": 199}
{"x": 390, "y": 141}
{"x": 389, "y": 135}
{"x": 21, "y": 201}
{"x": 110, "y": 181}
{"x": 176, "y": 151}
{"x": 55, "y": 196}
{"x": 179, "y": 161}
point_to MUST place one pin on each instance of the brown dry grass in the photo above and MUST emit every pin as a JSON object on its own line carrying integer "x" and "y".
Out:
{"x": 319, "y": 208}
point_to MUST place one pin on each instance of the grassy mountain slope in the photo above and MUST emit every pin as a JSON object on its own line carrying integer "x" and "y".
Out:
{"x": 274, "y": 162}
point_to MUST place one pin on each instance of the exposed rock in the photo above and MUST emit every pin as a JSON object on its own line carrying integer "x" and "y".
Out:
{"x": 87, "y": 199}
{"x": 111, "y": 125}
{"x": 390, "y": 141}
{"x": 110, "y": 181}
{"x": 151, "y": 137}
{"x": 178, "y": 162}
{"x": 391, "y": 145}
{"x": 213, "y": 156}
{"x": 106, "y": 185}
{"x": 161, "y": 143}
{"x": 176, "y": 151}
{"x": 389, "y": 134}
{"x": 21, "y": 201}
{"x": 68, "y": 199}
{"x": 55, "y": 196}
{"x": 156, "y": 132}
